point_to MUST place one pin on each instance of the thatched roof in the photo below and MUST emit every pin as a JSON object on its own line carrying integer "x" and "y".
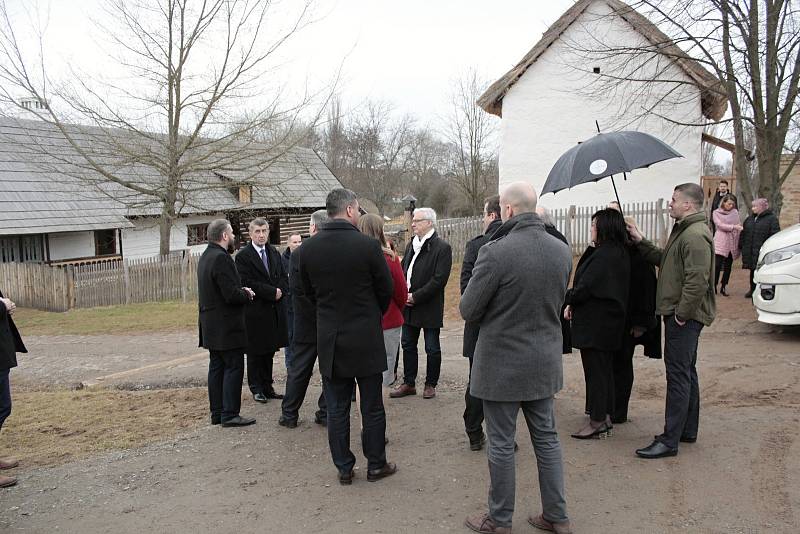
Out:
{"x": 714, "y": 101}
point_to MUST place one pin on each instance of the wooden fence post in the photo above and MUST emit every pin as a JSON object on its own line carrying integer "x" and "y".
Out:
{"x": 184, "y": 272}
{"x": 69, "y": 274}
{"x": 662, "y": 224}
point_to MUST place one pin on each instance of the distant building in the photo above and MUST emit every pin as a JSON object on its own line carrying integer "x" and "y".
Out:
{"x": 48, "y": 214}
{"x": 790, "y": 212}
{"x": 550, "y": 101}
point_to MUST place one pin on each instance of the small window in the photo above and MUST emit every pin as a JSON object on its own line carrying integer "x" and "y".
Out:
{"x": 105, "y": 242}
{"x": 196, "y": 234}
{"x": 596, "y": 70}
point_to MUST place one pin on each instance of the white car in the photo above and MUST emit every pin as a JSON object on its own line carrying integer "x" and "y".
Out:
{"x": 777, "y": 278}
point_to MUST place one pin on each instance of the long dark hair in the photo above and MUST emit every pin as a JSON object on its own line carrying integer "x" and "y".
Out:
{"x": 610, "y": 227}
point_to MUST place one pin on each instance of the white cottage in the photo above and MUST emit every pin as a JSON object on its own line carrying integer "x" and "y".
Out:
{"x": 551, "y": 99}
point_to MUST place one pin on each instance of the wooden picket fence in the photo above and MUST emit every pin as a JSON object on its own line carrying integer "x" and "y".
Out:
{"x": 33, "y": 285}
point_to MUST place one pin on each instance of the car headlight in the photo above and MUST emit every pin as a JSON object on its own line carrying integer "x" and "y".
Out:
{"x": 781, "y": 254}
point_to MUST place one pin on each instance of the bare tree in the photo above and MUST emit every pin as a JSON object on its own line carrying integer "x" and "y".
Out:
{"x": 170, "y": 127}
{"x": 470, "y": 131}
{"x": 751, "y": 46}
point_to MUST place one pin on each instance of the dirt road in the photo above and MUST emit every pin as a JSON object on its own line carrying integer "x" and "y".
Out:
{"x": 742, "y": 476}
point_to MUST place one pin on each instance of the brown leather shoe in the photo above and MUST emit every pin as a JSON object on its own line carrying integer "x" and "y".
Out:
{"x": 429, "y": 392}
{"x": 543, "y": 524}
{"x": 485, "y": 525}
{"x": 403, "y": 390}
{"x": 6, "y": 482}
{"x": 386, "y": 471}
{"x": 8, "y": 463}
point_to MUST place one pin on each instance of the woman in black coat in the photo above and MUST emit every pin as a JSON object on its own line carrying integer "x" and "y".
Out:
{"x": 10, "y": 345}
{"x": 758, "y": 227}
{"x": 641, "y": 328}
{"x": 597, "y": 305}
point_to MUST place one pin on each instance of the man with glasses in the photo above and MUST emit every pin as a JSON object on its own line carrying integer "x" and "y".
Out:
{"x": 426, "y": 264}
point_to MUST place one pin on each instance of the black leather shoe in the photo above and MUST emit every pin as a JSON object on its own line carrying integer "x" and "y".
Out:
{"x": 345, "y": 479}
{"x": 322, "y": 421}
{"x": 216, "y": 419}
{"x": 386, "y": 471}
{"x": 656, "y": 450}
{"x": 272, "y": 394}
{"x": 288, "y": 423}
{"x": 476, "y": 441}
{"x": 238, "y": 421}
{"x": 688, "y": 439}
{"x": 260, "y": 397}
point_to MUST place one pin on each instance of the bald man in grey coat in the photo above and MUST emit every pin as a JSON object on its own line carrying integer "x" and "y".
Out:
{"x": 516, "y": 293}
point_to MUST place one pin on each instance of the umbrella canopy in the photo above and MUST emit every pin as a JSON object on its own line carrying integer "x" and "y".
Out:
{"x": 606, "y": 154}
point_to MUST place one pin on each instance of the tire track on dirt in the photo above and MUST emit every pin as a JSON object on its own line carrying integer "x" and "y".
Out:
{"x": 770, "y": 477}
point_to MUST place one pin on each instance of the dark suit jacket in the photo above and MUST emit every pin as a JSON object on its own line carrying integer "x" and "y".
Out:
{"x": 428, "y": 279}
{"x": 599, "y": 297}
{"x": 472, "y": 328}
{"x": 10, "y": 340}
{"x": 347, "y": 282}
{"x": 265, "y": 317}
{"x": 221, "y": 300}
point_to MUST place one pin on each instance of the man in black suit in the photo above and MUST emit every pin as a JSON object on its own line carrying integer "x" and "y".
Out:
{"x": 473, "y": 410}
{"x": 222, "y": 327}
{"x": 304, "y": 341}
{"x": 345, "y": 277}
{"x": 426, "y": 264}
{"x": 10, "y": 344}
{"x": 261, "y": 268}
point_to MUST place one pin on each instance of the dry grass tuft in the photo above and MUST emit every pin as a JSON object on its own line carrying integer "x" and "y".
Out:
{"x": 131, "y": 319}
{"x": 58, "y": 426}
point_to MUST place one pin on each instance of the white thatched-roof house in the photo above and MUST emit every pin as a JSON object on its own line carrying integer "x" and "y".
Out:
{"x": 551, "y": 99}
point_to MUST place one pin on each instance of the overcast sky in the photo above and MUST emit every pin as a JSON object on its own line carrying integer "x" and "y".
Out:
{"x": 406, "y": 52}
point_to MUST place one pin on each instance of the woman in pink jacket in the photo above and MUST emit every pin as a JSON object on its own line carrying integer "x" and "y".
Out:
{"x": 726, "y": 240}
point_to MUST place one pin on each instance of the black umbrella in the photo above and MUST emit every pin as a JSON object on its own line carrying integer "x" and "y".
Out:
{"x": 606, "y": 154}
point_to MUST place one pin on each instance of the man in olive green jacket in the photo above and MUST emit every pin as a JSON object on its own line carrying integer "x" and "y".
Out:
{"x": 685, "y": 299}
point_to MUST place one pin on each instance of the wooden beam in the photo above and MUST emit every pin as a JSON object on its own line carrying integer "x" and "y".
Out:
{"x": 725, "y": 145}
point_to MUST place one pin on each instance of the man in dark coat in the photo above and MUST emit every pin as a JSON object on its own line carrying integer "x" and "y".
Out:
{"x": 345, "y": 278}
{"x": 10, "y": 344}
{"x": 426, "y": 264}
{"x": 222, "y": 299}
{"x": 261, "y": 268}
{"x": 304, "y": 340}
{"x": 722, "y": 190}
{"x": 758, "y": 227}
{"x": 292, "y": 243}
{"x": 473, "y": 410}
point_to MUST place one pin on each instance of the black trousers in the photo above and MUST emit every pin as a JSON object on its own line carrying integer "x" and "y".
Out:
{"x": 259, "y": 372}
{"x": 682, "y": 417}
{"x": 473, "y": 409}
{"x": 622, "y": 365}
{"x": 337, "y": 394}
{"x": 722, "y": 265}
{"x": 225, "y": 372}
{"x": 597, "y": 368}
{"x": 297, "y": 379}
{"x": 433, "y": 350}
{"x": 752, "y": 283}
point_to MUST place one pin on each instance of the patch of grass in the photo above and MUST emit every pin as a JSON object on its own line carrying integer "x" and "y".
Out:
{"x": 130, "y": 319}
{"x": 58, "y": 426}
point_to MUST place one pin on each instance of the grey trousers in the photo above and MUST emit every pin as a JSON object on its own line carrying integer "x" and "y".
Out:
{"x": 501, "y": 427}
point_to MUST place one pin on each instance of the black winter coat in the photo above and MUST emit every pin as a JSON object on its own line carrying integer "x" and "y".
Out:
{"x": 265, "y": 317}
{"x": 757, "y": 229}
{"x": 428, "y": 280}
{"x": 221, "y": 301}
{"x": 347, "y": 282}
{"x": 10, "y": 340}
{"x": 472, "y": 328}
{"x": 599, "y": 297}
{"x": 642, "y": 305}
{"x": 305, "y": 314}
{"x": 287, "y": 301}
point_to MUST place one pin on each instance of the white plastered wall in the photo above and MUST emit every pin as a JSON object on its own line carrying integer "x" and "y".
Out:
{"x": 70, "y": 245}
{"x": 552, "y": 107}
{"x": 144, "y": 239}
